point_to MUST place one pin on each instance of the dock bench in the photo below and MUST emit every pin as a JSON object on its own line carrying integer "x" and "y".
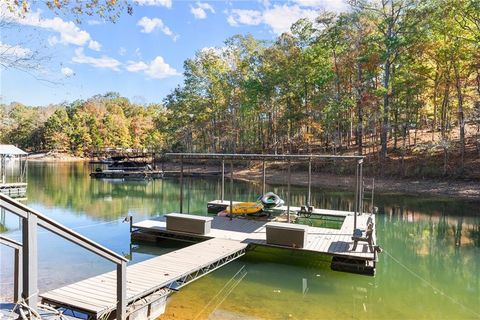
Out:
{"x": 188, "y": 223}
{"x": 286, "y": 234}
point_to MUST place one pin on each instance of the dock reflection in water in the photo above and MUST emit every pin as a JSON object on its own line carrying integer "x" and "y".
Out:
{"x": 438, "y": 240}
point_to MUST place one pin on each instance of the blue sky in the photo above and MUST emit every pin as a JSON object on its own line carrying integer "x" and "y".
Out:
{"x": 140, "y": 56}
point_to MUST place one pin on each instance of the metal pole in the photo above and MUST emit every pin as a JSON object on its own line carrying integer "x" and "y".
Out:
{"x": 223, "y": 179}
{"x": 288, "y": 191}
{"x": 231, "y": 189}
{"x": 30, "y": 260}
{"x": 181, "y": 184}
{"x": 373, "y": 190}
{"x": 356, "y": 199}
{"x": 121, "y": 290}
{"x": 360, "y": 183}
{"x": 17, "y": 284}
{"x": 309, "y": 196}
{"x": 3, "y": 170}
{"x": 263, "y": 177}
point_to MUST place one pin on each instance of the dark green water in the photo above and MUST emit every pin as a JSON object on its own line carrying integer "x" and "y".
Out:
{"x": 430, "y": 268}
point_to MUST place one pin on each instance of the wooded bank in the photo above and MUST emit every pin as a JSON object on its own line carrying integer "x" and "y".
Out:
{"x": 398, "y": 81}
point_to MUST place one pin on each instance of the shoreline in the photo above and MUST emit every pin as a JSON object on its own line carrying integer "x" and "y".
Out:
{"x": 458, "y": 189}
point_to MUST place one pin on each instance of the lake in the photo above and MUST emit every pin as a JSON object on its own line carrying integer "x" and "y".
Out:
{"x": 430, "y": 267}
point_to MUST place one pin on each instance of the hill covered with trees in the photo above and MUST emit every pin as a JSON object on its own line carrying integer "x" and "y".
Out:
{"x": 396, "y": 80}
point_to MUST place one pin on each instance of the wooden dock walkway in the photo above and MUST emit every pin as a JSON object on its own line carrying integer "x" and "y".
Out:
{"x": 97, "y": 296}
{"x": 335, "y": 242}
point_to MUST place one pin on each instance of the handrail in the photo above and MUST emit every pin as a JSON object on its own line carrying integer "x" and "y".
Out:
{"x": 57, "y": 228}
{"x": 32, "y": 219}
{"x": 10, "y": 243}
{"x": 17, "y": 268}
{"x": 258, "y": 156}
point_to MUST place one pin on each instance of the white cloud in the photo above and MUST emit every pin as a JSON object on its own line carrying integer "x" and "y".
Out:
{"x": 9, "y": 52}
{"x": 328, "y": 5}
{"x": 279, "y": 17}
{"x": 104, "y": 62}
{"x": 94, "y": 22}
{"x": 69, "y": 33}
{"x": 138, "y": 53}
{"x": 67, "y": 72}
{"x": 200, "y": 11}
{"x": 122, "y": 51}
{"x": 157, "y": 3}
{"x": 52, "y": 40}
{"x": 156, "y": 69}
{"x": 248, "y": 17}
{"x": 149, "y": 25}
{"x": 94, "y": 45}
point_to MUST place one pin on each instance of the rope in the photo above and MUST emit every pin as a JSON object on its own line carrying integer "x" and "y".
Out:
{"x": 430, "y": 284}
{"x": 219, "y": 292}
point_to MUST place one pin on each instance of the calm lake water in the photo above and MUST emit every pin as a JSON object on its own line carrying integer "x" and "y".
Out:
{"x": 430, "y": 267}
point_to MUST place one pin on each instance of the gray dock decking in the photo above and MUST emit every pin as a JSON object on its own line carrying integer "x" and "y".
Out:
{"x": 337, "y": 242}
{"x": 97, "y": 295}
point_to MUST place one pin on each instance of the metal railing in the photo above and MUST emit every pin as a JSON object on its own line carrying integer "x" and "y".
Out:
{"x": 26, "y": 277}
{"x": 358, "y": 191}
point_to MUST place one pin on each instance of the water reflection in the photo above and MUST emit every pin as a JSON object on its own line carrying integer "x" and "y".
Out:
{"x": 437, "y": 242}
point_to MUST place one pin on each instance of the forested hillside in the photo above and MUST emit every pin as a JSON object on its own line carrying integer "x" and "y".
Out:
{"x": 393, "y": 79}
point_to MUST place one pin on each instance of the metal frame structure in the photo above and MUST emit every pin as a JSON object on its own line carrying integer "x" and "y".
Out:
{"x": 18, "y": 187}
{"x": 358, "y": 203}
{"x": 17, "y": 269}
{"x": 31, "y": 219}
{"x": 183, "y": 281}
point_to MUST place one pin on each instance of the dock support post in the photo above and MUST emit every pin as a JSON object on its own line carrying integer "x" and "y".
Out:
{"x": 288, "y": 190}
{"x": 263, "y": 177}
{"x": 360, "y": 185}
{"x": 355, "y": 206}
{"x": 122, "y": 290}
{"x": 223, "y": 180}
{"x": 309, "y": 195}
{"x": 373, "y": 191}
{"x": 231, "y": 189}
{"x": 2, "y": 168}
{"x": 17, "y": 278}
{"x": 181, "y": 184}
{"x": 30, "y": 261}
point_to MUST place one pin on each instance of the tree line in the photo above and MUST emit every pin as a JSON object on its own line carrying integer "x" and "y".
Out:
{"x": 80, "y": 127}
{"x": 388, "y": 78}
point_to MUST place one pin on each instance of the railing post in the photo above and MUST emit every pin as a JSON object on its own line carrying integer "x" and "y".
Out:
{"x": 231, "y": 189}
{"x": 17, "y": 280}
{"x": 223, "y": 180}
{"x": 355, "y": 204}
{"x": 288, "y": 190}
{"x": 263, "y": 177}
{"x": 360, "y": 185}
{"x": 122, "y": 290}
{"x": 181, "y": 185}
{"x": 309, "y": 195}
{"x": 30, "y": 260}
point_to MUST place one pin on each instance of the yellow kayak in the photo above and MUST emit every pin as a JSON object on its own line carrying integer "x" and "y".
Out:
{"x": 245, "y": 208}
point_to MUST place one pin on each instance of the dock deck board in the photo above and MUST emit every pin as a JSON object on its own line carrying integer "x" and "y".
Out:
{"x": 97, "y": 295}
{"x": 320, "y": 240}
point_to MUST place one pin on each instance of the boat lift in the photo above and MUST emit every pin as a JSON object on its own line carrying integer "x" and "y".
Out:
{"x": 358, "y": 191}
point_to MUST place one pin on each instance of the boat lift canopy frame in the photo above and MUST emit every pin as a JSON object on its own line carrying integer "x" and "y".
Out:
{"x": 358, "y": 204}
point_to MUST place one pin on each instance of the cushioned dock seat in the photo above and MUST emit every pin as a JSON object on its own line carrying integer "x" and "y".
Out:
{"x": 286, "y": 234}
{"x": 188, "y": 223}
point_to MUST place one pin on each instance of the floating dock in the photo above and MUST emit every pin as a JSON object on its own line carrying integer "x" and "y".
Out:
{"x": 333, "y": 242}
{"x": 14, "y": 190}
{"x": 127, "y": 174}
{"x": 148, "y": 282}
